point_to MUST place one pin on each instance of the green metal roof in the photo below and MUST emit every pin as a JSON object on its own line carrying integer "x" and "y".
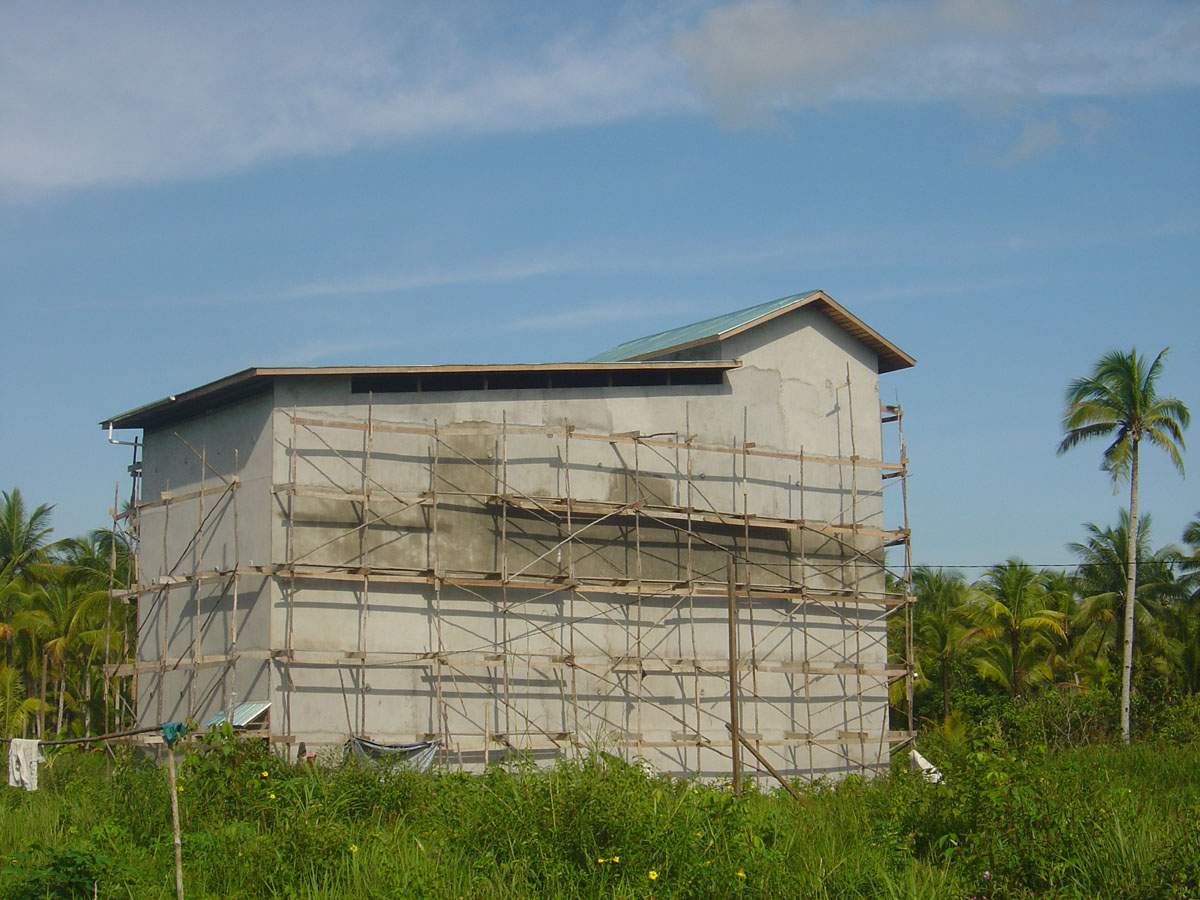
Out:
{"x": 697, "y": 332}
{"x": 243, "y": 714}
{"x": 718, "y": 328}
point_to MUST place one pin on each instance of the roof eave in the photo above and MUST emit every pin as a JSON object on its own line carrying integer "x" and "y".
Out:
{"x": 220, "y": 389}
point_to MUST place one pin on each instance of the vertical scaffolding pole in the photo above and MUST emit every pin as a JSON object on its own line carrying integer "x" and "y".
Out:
{"x": 908, "y": 610}
{"x": 233, "y": 622}
{"x": 735, "y": 726}
{"x": 746, "y": 445}
{"x": 574, "y": 593}
{"x": 364, "y": 609}
{"x": 166, "y": 606}
{"x": 286, "y": 681}
{"x": 196, "y": 590}
{"x": 854, "y": 568}
{"x": 802, "y": 532}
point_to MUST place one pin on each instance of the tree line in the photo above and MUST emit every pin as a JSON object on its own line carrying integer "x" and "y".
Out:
{"x": 59, "y": 625}
{"x": 1127, "y": 607}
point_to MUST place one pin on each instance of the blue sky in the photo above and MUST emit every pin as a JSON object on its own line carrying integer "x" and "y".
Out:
{"x": 1005, "y": 190}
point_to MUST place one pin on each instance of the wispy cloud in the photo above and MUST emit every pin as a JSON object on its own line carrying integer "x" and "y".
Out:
{"x": 1037, "y": 136}
{"x": 111, "y": 93}
{"x": 135, "y": 92}
{"x": 758, "y": 57}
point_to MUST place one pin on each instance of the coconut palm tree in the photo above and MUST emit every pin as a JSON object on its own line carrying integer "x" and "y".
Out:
{"x": 1103, "y": 584}
{"x": 23, "y": 535}
{"x": 16, "y": 710}
{"x": 1190, "y": 564}
{"x": 1014, "y": 619}
{"x": 938, "y": 622}
{"x": 1119, "y": 400}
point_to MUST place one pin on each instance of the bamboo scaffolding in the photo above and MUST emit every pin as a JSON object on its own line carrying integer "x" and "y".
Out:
{"x": 541, "y": 641}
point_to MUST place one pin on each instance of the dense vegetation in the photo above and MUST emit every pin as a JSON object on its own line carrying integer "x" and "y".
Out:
{"x": 1010, "y": 820}
{"x": 1027, "y": 681}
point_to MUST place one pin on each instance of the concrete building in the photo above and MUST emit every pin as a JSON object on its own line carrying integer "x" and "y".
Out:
{"x": 536, "y": 558}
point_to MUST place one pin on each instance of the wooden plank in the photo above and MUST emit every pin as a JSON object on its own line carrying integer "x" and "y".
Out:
{"x": 584, "y": 585}
{"x": 754, "y": 520}
{"x": 628, "y": 438}
{"x": 167, "y": 497}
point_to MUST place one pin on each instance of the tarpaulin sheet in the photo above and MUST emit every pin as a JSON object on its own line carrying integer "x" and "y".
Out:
{"x": 418, "y": 757}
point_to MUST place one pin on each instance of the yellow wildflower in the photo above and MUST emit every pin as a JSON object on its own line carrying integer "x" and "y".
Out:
{"x": 265, "y": 773}
{"x": 272, "y": 796}
{"x": 354, "y": 848}
{"x": 741, "y": 874}
{"x": 652, "y": 875}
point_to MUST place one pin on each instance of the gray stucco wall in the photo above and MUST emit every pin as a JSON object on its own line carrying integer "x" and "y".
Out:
{"x": 546, "y": 669}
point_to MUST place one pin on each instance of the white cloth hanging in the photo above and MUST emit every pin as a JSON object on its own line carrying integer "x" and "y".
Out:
{"x": 23, "y": 758}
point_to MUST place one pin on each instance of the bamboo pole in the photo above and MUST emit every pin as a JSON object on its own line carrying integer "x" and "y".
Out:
{"x": 740, "y": 738}
{"x": 175, "y": 822}
{"x": 233, "y": 623}
{"x": 734, "y": 717}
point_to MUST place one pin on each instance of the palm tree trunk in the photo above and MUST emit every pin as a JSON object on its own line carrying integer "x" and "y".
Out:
{"x": 1015, "y": 641}
{"x": 42, "y": 705}
{"x": 62, "y": 690}
{"x": 87, "y": 695}
{"x": 1130, "y": 592}
{"x": 945, "y": 688}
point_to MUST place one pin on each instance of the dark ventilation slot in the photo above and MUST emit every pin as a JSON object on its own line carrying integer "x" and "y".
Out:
{"x": 402, "y": 383}
{"x": 640, "y": 377}
{"x": 530, "y": 380}
{"x": 580, "y": 378}
{"x": 518, "y": 381}
{"x": 454, "y": 381}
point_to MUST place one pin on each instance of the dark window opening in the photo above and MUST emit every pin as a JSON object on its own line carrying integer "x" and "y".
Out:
{"x": 531, "y": 380}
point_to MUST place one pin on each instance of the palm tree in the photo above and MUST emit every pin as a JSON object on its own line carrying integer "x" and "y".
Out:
{"x": 23, "y": 535}
{"x": 1190, "y": 564}
{"x": 938, "y": 621}
{"x": 1014, "y": 615}
{"x": 1102, "y": 581}
{"x": 16, "y": 710}
{"x": 1120, "y": 400}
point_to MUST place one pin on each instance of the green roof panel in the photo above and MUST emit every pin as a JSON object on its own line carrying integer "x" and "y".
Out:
{"x": 696, "y": 332}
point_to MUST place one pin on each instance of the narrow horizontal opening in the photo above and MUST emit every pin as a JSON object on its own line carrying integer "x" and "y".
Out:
{"x": 531, "y": 380}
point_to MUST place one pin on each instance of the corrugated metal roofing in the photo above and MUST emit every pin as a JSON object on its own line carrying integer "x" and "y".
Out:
{"x": 656, "y": 346}
{"x": 708, "y": 329}
{"x": 243, "y": 714}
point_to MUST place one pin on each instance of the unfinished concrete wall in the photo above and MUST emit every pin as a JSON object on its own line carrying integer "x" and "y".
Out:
{"x": 545, "y": 669}
{"x": 536, "y": 570}
{"x": 196, "y": 606}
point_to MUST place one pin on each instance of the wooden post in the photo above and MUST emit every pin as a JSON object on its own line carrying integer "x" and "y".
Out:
{"x": 766, "y": 765}
{"x": 175, "y": 822}
{"x": 734, "y": 724}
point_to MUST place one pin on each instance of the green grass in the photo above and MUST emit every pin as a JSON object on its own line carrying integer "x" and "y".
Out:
{"x": 1096, "y": 822}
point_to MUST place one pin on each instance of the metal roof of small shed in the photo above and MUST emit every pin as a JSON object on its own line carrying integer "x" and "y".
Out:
{"x": 718, "y": 328}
